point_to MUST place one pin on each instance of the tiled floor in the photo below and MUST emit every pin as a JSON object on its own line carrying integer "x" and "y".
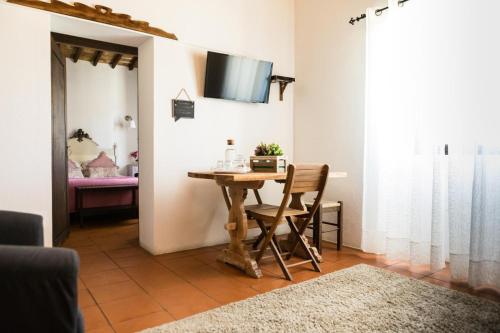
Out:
{"x": 122, "y": 288}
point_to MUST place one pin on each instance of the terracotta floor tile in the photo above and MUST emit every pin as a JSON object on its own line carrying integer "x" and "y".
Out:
{"x": 443, "y": 275}
{"x": 105, "y": 278}
{"x": 80, "y": 284}
{"x": 455, "y": 286}
{"x": 76, "y": 243}
{"x": 148, "y": 265}
{"x": 95, "y": 263}
{"x": 220, "y": 287}
{"x": 190, "y": 268}
{"x": 269, "y": 283}
{"x": 115, "y": 244}
{"x": 173, "y": 261}
{"x": 127, "y": 252}
{"x": 419, "y": 269}
{"x": 183, "y": 300}
{"x": 85, "y": 299}
{"x": 153, "y": 278}
{"x": 132, "y": 261}
{"x": 130, "y": 308}
{"x": 111, "y": 292}
{"x": 225, "y": 294}
{"x": 187, "y": 253}
{"x": 93, "y": 318}
{"x": 103, "y": 329}
{"x": 88, "y": 258}
{"x": 266, "y": 283}
{"x": 404, "y": 272}
{"x": 304, "y": 275}
{"x": 140, "y": 323}
{"x": 112, "y": 231}
{"x": 82, "y": 250}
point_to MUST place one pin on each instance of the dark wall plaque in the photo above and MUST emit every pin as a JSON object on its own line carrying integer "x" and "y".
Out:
{"x": 182, "y": 109}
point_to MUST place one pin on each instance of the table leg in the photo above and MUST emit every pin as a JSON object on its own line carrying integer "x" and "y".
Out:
{"x": 236, "y": 254}
{"x": 296, "y": 203}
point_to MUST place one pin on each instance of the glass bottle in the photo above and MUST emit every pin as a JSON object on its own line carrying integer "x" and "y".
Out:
{"x": 230, "y": 154}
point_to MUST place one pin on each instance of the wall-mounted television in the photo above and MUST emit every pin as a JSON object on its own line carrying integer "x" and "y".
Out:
{"x": 237, "y": 78}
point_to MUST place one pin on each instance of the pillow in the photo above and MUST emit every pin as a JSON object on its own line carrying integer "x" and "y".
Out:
{"x": 72, "y": 164}
{"x": 101, "y": 172}
{"x": 101, "y": 161}
{"x": 73, "y": 170}
{"x": 100, "y": 167}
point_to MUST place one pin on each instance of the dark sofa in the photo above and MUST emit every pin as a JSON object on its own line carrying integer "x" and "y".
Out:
{"x": 38, "y": 286}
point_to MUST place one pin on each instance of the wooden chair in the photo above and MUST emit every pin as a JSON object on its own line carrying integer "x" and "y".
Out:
{"x": 317, "y": 225}
{"x": 300, "y": 179}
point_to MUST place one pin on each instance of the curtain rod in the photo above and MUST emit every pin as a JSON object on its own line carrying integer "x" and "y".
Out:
{"x": 378, "y": 12}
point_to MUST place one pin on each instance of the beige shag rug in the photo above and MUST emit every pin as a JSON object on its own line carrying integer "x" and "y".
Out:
{"x": 358, "y": 299}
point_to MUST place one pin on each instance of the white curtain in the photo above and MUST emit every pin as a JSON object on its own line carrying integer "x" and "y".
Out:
{"x": 432, "y": 78}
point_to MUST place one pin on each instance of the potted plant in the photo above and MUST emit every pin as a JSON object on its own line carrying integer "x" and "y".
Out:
{"x": 268, "y": 158}
{"x": 135, "y": 155}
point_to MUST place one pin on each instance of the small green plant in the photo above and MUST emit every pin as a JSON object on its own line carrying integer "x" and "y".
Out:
{"x": 272, "y": 149}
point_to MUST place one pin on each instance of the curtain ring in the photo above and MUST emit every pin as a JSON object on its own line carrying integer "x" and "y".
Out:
{"x": 378, "y": 12}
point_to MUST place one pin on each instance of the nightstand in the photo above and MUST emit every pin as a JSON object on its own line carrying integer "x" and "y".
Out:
{"x": 132, "y": 170}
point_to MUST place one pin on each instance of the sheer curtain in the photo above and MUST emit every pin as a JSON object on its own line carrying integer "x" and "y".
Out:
{"x": 432, "y": 173}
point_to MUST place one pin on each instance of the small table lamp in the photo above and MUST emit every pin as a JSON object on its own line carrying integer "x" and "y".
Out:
{"x": 130, "y": 122}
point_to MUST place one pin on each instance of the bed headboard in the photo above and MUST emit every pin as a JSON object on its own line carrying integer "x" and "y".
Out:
{"x": 82, "y": 148}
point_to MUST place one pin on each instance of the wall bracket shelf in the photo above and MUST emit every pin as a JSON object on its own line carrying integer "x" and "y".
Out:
{"x": 283, "y": 82}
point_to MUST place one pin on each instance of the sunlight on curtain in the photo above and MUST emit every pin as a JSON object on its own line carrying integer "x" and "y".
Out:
{"x": 430, "y": 78}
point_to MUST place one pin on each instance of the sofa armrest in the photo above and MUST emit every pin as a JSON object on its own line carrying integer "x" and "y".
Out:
{"x": 38, "y": 289}
{"x": 20, "y": 228}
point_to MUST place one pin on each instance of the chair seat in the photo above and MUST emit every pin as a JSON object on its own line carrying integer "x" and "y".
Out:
{"x": 268, "y": 211}
{"x": 261, "y": 206}
{"x": 324, "y": 204}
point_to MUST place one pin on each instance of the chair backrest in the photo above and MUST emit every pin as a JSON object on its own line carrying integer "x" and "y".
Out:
{"x": 303, "y": 178}
{"x": 309, "y": 178}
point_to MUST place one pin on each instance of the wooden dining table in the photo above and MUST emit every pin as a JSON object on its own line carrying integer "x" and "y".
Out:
{"x": 238, "y": 185}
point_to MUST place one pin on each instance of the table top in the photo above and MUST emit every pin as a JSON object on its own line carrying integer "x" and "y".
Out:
{"x": 250, "y": 176}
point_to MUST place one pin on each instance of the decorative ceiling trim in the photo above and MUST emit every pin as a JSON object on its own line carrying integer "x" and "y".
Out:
{"x": 97, "y": 13}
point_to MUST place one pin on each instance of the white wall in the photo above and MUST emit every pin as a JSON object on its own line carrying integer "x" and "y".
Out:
{"x": 98, "y": 99}
{"x": 190, "y": 212}
{"x": 25, "y": 111}
{"x": 329, "y": 98}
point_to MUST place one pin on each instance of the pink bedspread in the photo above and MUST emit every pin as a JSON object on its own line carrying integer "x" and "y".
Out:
{"x": 105, "y": 199}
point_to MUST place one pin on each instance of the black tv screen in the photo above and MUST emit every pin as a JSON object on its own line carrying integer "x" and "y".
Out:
{"x": 237, "y": 78}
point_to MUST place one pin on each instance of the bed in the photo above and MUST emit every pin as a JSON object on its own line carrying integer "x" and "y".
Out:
{"x": 98, "y": 195}
{"x": 103, "y": 199}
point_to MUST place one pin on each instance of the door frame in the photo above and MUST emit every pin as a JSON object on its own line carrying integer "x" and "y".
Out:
{"x": 58, "y": 239}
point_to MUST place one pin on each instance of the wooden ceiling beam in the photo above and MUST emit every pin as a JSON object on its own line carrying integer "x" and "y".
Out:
{"x": 97, "y": 57}
{"x": 76, "y": 54}
{"x": 96, "y": 13}
{"x": 132, "y": 63}
{"x": 94, "y": 44}
{"x": 116, "y": 59}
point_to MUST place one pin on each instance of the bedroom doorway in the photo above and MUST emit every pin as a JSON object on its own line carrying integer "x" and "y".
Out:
{"x": 94, "y": 134}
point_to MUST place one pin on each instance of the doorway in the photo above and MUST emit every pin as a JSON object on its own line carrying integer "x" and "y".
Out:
{"x": 94, "y": 133}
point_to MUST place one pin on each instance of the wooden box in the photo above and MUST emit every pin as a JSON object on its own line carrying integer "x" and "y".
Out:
{"x": 268, "y": 163}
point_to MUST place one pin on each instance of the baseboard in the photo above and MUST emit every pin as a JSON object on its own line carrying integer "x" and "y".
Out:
{"x": 344, "y": 245}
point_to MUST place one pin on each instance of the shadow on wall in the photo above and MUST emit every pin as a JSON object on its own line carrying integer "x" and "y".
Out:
{"x": 203, "y": 214}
